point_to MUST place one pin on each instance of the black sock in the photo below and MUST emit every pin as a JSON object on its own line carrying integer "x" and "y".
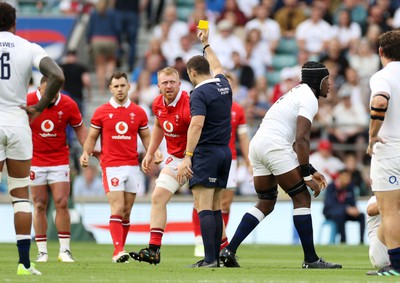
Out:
{"x": 208, "y": 228}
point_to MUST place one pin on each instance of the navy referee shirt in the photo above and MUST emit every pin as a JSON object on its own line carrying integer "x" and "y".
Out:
{"x": 213, "y": 99}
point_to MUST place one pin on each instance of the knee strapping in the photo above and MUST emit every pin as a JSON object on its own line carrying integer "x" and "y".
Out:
{"x": 271, "y": 194}
{"x": 296, "y": 189}
{"x": 167, "y": 182}
{"x": 14, "y": 183}
{"x": 21, "y": 205}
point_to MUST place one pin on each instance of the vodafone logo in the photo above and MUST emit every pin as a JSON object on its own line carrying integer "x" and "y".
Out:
{"x": 168, "y": 127}
{"x": 121, "y": 128}
{"x": 47, "y": 126}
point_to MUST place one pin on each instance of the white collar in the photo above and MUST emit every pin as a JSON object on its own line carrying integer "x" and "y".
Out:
{"x": 173, "y": 103}
{"x": 214, "y": 80}
{"x": 39, "y": 96}
{"x": 116, "y": 105}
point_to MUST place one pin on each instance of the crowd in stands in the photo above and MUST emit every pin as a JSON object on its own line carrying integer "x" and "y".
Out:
{"x": 263, "y": 43}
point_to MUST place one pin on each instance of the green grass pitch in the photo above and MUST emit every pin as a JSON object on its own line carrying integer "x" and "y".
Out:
{"x": 260, "y": 263}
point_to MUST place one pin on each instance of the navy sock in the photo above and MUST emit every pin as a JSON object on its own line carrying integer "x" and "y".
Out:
{"x": 394, "y": 256}
{"x": 218, "y": 231}
{"x": 303, "y": 224}
{"x": 23, "y": 251}
{"x": 248, "y": 223}
{"x": 207, "y": 226}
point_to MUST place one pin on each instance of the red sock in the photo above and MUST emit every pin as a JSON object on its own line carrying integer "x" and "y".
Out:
{"x": 125, "y": 229}
{"x": 41, "y": 238}
{"x": 156, "y": 235}
{"x": 224, "y": 243}
{"x": 116, "y": 232}
{"x": 225, "y": 218}
{"x": 196, "y": 223}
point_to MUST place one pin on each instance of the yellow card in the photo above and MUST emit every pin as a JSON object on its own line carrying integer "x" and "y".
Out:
{"x": 203, "y": 24}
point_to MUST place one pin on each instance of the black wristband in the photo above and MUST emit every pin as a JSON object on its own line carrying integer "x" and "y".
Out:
{"x": 305, "y": 170}
{"x": 312, "y": 169}
{"x": 204, "y": 48}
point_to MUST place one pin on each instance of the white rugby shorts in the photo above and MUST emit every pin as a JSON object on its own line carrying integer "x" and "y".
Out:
{"x": 121, "y": 178}
{"x": 16, "y": 143}
{"x": 271, "y": 157}
{"x": 385, "y": 173}
{"x": 46, "y": 175}
{"x": 233, "y": 173}
{"x": 164, "y": 180}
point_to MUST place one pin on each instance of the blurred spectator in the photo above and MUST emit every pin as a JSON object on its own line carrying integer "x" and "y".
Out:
{"x": 153, "y": 63}
{"x": 225, "y": 43}
{"x": 358, "y": 12}
{"x": 184, "y": 49}
{"x": 258, "y": 54}
{"x": 200, "y": 12}
{"x": 88, "y": 183}
{"x": 231, "y": 6}
{"x": 346, "y": 31}
{"x": 144, "y": 91}
{"x": 340, "y": 205}
{"x": 127, "y": 23}
{"x": 314, "y": 34}
{"x": 171, "y": 28}
{"x": 75, "y": 7}
{"x": 377, "y": 16}
{"x": 243, "y": 72}
{"x": 365, "y": 61}
{"x": 349, "y": 125}
{"x": 270, "y": 30}
{"x": 240, "y": 92}
{"x": 372, "y": 34}
{"x": 153, "y": 48}
{"x": 290, "y": 77}
{"x": 248, "y": 7}
{"x": 357, "y": 178}
{"x": 396, "y": 19}
{"x": 325, "y": 162}
{"x": 215, "y": 6}
{"x": 335, "y": 53}
{"x": 102, "y": 35}
{"x": 77, "y": 79}
{"x": 153, "y": 14}
{"x": 289, "y": 17}
{"x": 359, "y": 93}
{"x": 180, "y": 66}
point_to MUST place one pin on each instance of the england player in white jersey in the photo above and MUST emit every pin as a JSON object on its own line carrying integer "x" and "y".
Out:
{"x": 384, "y": 146}
{"x": 378, "y": 253}
{"x": 279, "y": 153}
{"x": 17, "y": 57}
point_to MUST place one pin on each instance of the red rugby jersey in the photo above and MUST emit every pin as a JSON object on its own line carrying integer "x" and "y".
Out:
{"x": 49, "y": 130}
{"x": 174, "y": 119}
{"x": 119, "y": 127}
{"x": 238, "y": 119}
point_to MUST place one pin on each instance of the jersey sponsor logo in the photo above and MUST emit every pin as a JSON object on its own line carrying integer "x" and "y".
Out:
{"x": 168, "y": 127}
{"x": 121, "y": 128}
{"x": 32, "y": 175}
{"x": 169, "y": 160}
{"x": 115, "y": 181}
{"x": 223, "y": 90}
{"x": 47, "y": 126}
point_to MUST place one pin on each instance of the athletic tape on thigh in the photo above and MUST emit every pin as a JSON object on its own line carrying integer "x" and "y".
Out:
{"x": 21, "y": 205}
{"x": 297, "y": 189}
{"x": 17, "y": 182}
{"x": 167, "y": 182}
{"x": 271, "y": 194}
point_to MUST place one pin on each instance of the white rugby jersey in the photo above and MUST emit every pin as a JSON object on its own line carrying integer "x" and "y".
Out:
{"x": 280, "y": 122}
{"x": 373, "y": 222}
{"x": 387, "y": 80}
{"x": 17, "y": 57}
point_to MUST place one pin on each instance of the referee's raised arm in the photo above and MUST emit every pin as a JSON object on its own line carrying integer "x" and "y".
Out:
{"x": 215, "y": 64}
